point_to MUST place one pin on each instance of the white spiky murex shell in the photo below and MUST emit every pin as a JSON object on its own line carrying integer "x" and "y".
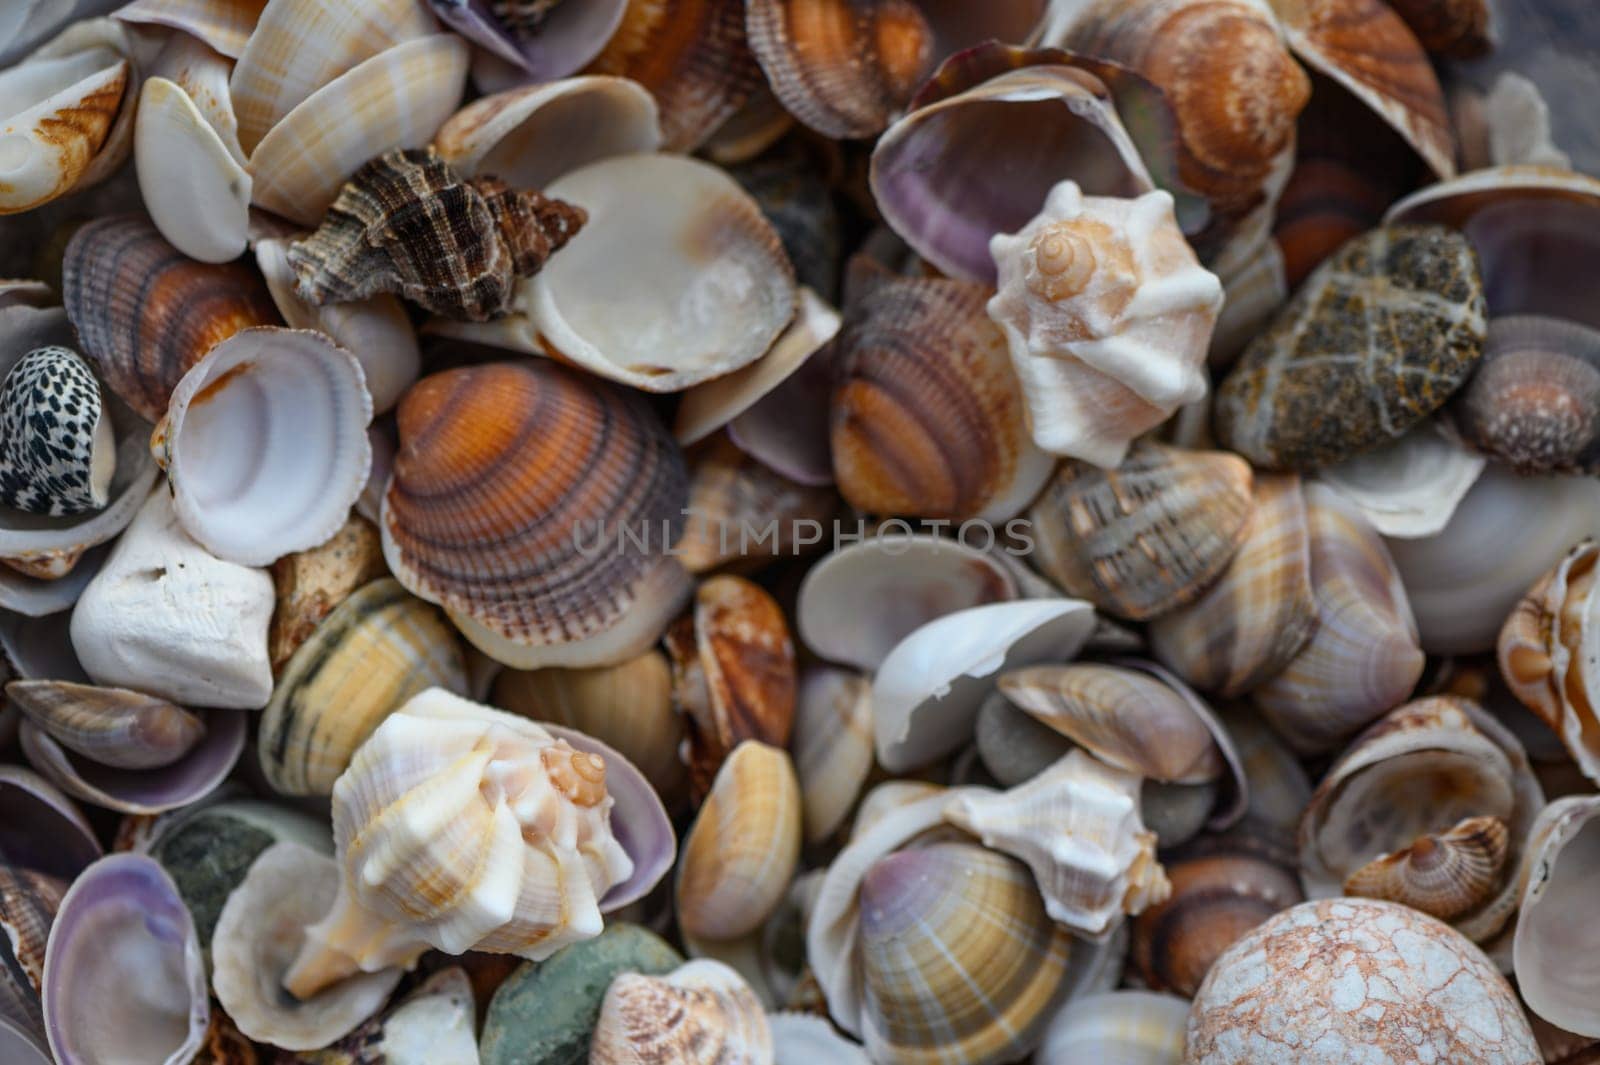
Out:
{"x": 463, "y": 828}
{"x": 1108, "y": 315}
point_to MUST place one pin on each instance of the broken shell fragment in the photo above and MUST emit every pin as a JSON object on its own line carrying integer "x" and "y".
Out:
{"x": 702, "y": 1013}
{"x": 407, "y": 223}
{"x": 57, "y": 446}
{"x": 310, "y": 584}
{"x": 1108, "y": 316}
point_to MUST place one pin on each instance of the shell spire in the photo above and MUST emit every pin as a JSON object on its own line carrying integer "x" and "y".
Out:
{"x": 407, "y": 223}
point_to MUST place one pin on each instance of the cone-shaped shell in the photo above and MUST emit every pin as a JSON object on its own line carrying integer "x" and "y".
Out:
{"x": 122, "y": 975}
{"x": 57, "y": 443}
{"x": 957, "y": 956}
{"x": 375, "y": 651}
{"x": 702, "y": 1013}
{"x": 289, "y": 486}
{"x": 537, "y": 506}
{"x": 112, "y": 726}
{"x": 1445, "y": 874}
{"x": 1077, "y": 826}
{"x": 927, "y": 417}
{"x": 58, "y": 114}
{"x": 1362, "y": 658}
{"x": 741, "y": 854}
{"x": 1150, "y": 535}
{"x": 146, "y": 314}
{"x": 1122, "y": 716}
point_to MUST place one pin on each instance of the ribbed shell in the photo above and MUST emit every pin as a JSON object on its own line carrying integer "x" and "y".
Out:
{"x": 732, "y": 498}
{"x": 1445, "y": 874}
{"x": 145, "y": 314}
{"x": 57, "y": 451}
{"x": 958, "y": 959}
{"x": 28, "y": 902}
{"x": 55, "y": 133}
{"x": 375, "y": 651}
{"x": 842, "y": 67}
{"x": 407, "y": 223}
{"x": 110, "y": 726}
{"x": 743, "y": 849}
{"x": 1534, "y": 402}
{"x": 927, "y": 418}
{"x": 520, "y": 497}
{"x": 1150, "y": 535}
{"x": 702, "y": 1013}
{"x": 1255, "y": 618}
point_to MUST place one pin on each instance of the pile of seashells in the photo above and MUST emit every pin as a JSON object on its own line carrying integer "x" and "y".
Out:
{"x": 799, "y": 532}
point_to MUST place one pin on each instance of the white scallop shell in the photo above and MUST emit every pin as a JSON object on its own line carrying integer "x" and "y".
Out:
{"x": 197, "y": 193}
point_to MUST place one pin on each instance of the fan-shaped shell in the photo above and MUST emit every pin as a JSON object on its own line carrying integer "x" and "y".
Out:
{"x": 702, "y": 1013}
{"x": 1108, "y": 316}
{"x": 1534, "y": 402}
{"x": 146, "y": 314}
{"x": 927, "y": 418}
{"x": 573, "y": 488}
{"x": 290, "y": 485}
{"x": 1445, "y": 874}
{"x": 1150, "y": 535}
{"x": 375, "y": 651}
{"x": 112, "y": 726}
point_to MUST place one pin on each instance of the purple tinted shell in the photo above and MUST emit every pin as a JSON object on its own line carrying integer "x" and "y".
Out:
{"x": 570, "y": 37}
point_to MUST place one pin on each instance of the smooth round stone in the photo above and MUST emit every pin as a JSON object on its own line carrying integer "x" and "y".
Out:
{"x": 545, "y": 1011}
{"x": 1376, "y": 340}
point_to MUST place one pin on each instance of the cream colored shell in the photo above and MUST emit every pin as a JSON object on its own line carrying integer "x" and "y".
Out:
{"x": 700, "y": 1014}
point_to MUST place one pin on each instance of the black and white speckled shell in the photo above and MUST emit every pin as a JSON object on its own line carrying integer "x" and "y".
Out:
{"x": 49, "y": 408}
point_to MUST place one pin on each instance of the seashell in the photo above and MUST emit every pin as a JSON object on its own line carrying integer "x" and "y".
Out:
{"x": 1453, "y": 29}
{"x": 1411, "y": 486}
{"x": 1108, "y": 317}
{"x": 1015, "y": 746}
{"x": 1534, "y": 402}
{"x": 1150, "y": 535}
{"x": 700, "y": 1013}
{"x": 801, "y": 1038}
{"x": 1463, "y": 583}
{"x": 514, "y": 857}
{"x": 743, "y": 515}
{"x": 842, "y": 68}
{"x": 530, "y": 136}
{"x": 376, "y": 330}
{"x": 224, "y": 25}
{"x": 1362, "y": 658}
{"x": 1283, "y": 977}
{"x": 1445, "y": 874}
{"x": 146, "y": 314}
{"x": 28, "y": 904}
{"x": 42, "y": 828}
{"x": 1123, "y": 717}
{"x": 1279, "y": 787}
{"x": 628, "y": 706}
{"x": 381, "y": 437}
{"x": 858, "y": 602}
{"x": 300, "y": 46}
{"x": 741, "y": 853}
{"x": 166, "y": 618}
{"x": 538, "y": 40}
{"x": 1403, "y": 301}
{"x": 122, "y": 974}
{"x": 260, "y": 502}
{"x": 1015, "y": 132}
{"x": 917, "y": 358}
{"x": 759, "y": 124}
{"x": 546, "y": 1011}
{"x": 1077, "y": 826}
{"x": 1418, "y": 782}
{"x": 61, "y": 110}
{"x": 1551, "y": 940}
{"x": 434, "y": 1023}
{"x": 501, "y": 422}
{"x": 1220, "y": 890}
{"x": 110, "y": 726}
{"x": 927, "y": 692}
{"x": 59, "y": 449}
{"x": 310, "y": 584}
{"x": 261, "y": 926}
{"x": 398, "y": 98}
{"x": 374, "y": 652}
{"x": 957, "y": 956}
{"x": 658, "y": 224}
{"x": 832, "y": 746}
{"x": 791, "y": 183}
{"x": 692, "y": 57}
{"x": 208, "y": 849}
{"x": 1251, "y": 294}
{"x": 1125, "y": 1027}
{"x": 406, "y": 223}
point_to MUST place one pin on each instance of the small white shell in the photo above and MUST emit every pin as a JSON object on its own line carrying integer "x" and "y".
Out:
{"x": 1555, "y": 943}
{"x": 1108, "y": 316}
{"x": 1409, "y": 487}
{"x": 832, "y": 746}
{"x": 265, "y": 443}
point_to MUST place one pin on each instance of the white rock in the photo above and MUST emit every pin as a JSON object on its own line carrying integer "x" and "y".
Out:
{"x": 165, "y": 617}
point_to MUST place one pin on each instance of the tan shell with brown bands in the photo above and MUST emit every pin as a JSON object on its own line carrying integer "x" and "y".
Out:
{"x": 145, "y": 313}
{"x": 1150, "y": 535}
{"x": 534, "y": 501}
{"x": 111, "y": 726}
{"x": 927, "y": 418}
{"x": 376, "y": 649}
{"x": 28, "y": 904}
{"x": 1447, "y": 874}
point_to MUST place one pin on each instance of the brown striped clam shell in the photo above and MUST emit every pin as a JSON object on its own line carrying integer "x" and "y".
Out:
{"x": 145, "y": 313}
{"x": 734, "y": 499}
{"x": 927, "y": 417}
{"x": 28, "y": 903}
{"x": 1148, "y": 536}
{"x": 1445, "y": 874}
{"x": 538, "y": 507}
